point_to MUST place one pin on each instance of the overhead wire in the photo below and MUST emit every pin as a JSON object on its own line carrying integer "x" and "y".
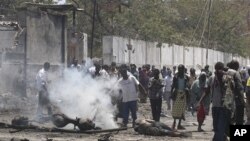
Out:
{"x": 206, "y": 22}
{"x": 204, "y": 28}
{"x": 204, "y": 9}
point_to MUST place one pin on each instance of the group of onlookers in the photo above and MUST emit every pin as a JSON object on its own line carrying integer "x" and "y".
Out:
{"x": 182, "y": 90}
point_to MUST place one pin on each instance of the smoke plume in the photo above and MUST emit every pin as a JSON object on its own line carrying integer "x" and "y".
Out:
{"x": 77, "y": 94}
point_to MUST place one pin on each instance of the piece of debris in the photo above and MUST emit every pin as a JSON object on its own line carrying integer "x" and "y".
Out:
{"x": 17, "y": 139}
{"x": 105, "y": 137}
{"x": 49, "y": 139}
{"x": 20, "y": 121}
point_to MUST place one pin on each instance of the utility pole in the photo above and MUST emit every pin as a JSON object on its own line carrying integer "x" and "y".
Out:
{"x": 208, "y": 28}
{"x": 93, "y": 30}
{"x": 74, "y": 21}
{"x": 25, "y": 62}
{"x": 129, "y": 47}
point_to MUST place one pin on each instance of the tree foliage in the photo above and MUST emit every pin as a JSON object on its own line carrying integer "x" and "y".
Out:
{"x": 182, "y": 22}
{"x": 176, "y": 21}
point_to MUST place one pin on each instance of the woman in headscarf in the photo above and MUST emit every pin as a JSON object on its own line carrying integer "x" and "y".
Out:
{"x": 179, "y": 93}
{"x": 197, "y": 89}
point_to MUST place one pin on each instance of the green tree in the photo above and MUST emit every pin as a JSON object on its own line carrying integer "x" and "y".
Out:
{"x": 182, "y": 22}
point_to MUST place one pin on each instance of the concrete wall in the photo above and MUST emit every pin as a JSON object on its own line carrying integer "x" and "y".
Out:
{"x": 46, "y": 42}
{"x": 115, "y": 49}
{"x": 11, "y": 59}
{"x": 6, "y": 38}
{"x": 44, "y": 38}
{"x": 10, "y": 74}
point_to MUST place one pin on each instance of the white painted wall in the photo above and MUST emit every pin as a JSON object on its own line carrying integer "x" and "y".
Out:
{"x": 115, "y": 49}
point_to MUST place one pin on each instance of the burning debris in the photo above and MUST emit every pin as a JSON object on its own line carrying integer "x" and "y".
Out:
{"x": 61, "y": 120}
{"x": 82, "y": 96}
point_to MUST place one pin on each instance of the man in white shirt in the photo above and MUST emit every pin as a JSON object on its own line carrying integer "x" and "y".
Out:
{"x": 128, "y": 85}
{"x": 104, "y": 72}
{"x": 75, "y": 65}
{"x": 95, "y": 70}
{"x": 41, "y": 82}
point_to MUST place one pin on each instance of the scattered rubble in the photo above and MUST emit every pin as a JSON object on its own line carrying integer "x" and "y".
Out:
{"x": 47, "y": 130}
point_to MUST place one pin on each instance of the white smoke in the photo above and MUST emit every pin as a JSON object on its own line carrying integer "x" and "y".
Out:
{"x": 77, "y": 94}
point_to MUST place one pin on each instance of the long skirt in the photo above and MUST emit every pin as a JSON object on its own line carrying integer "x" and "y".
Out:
{"x": 179, "y": 105}
{"x": 201, "y": 114}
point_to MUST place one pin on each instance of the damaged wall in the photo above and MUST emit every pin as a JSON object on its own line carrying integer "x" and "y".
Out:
{"x": 11, "y": 59}
{"x": 45, "y": 38}
{"x": 46, "y": 42}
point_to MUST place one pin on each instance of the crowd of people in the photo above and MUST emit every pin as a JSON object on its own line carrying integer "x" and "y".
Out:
{"x": 227, "y": 91}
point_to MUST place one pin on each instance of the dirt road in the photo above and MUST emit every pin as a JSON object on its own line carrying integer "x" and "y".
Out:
{"x": 27, "y": 107}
